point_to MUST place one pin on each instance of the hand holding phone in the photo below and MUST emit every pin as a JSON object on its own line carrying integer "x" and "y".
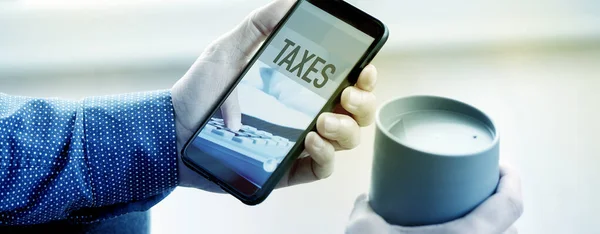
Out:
{"x": 200, "y": 100}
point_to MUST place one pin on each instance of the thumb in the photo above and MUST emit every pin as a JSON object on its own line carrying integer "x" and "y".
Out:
{"x": 230, "y": 110}
{"x": 257, "y": 26}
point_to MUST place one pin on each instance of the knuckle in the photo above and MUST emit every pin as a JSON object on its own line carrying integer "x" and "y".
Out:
{"x": 365, "y": 121}
{"x": 367, "y": 110}
{"x": 355, "y": 142}
{"x": 322, "y": 165}
{"x": 350, "y": 135}
{"x": 517, "y": 205}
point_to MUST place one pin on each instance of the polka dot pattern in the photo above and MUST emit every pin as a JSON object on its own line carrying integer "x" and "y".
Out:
{"x": 84, "y": 160}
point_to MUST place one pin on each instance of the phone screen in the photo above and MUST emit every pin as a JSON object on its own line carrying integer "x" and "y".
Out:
{"x": 279, "y": 96}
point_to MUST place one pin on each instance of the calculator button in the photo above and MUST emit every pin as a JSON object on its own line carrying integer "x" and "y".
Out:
{"x": 243, "y": 140}
{"x": 209, "y": 127}
{"x": 220, "y": 127}
{"x": 278, "y": 138}
{"x": 223, "y": 133}
{"x": 263, "y": 134}
{"x": 243, "y": 134}
{"x": 249, "y": 129}
{"x": 247, "y": 134}
{"x": 259, "y": 141}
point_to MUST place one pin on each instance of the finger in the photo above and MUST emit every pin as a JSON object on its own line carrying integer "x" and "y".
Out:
{"x": 500, "y": 211}
{"x": 322, "y": 153}
{"x": 341, "y": 129}
{"x": 510, "y": 184}
{"x": 512, "y": 230}
{"x": 361, "y": 104}
{"x": 364, "y": 220}
{"x": 258, "y": 25}
{"x": 315, "y": 163}
{"x": 230, "y": 110}
{"x": 367, "y": 78}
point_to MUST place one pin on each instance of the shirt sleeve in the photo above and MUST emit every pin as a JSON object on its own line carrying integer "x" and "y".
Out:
{"x": 85, "y": 160}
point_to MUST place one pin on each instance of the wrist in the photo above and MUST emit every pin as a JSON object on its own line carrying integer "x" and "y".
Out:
{"x": 130, "y": 146}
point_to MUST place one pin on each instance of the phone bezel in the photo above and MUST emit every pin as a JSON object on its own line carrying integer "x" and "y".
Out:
{"x": 339, "y": 9}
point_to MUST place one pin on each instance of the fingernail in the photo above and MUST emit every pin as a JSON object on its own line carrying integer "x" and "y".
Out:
{"x": 332, "y": 124}
{"x": 234, "y": 126}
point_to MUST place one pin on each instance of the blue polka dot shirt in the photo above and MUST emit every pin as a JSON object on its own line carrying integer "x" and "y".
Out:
{"x": 85, "y": 160}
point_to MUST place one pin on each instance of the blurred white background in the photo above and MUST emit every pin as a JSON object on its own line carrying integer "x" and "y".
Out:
{"x": 533, "y": 65}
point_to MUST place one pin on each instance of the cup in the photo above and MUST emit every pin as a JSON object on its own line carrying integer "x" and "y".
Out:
{"x": 435, "y": 160}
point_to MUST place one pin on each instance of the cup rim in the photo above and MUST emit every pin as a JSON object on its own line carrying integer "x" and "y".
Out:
{"x": 385, "y": 131}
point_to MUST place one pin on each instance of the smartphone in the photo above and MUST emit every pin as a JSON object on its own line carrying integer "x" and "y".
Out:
{"x": 317, "y": 49}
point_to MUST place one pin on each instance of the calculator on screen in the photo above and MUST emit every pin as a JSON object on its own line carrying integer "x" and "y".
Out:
{"x": 249, "y": 144}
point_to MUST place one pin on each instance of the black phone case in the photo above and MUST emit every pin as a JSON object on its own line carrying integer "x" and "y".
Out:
{"x": 285, "y": 165}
